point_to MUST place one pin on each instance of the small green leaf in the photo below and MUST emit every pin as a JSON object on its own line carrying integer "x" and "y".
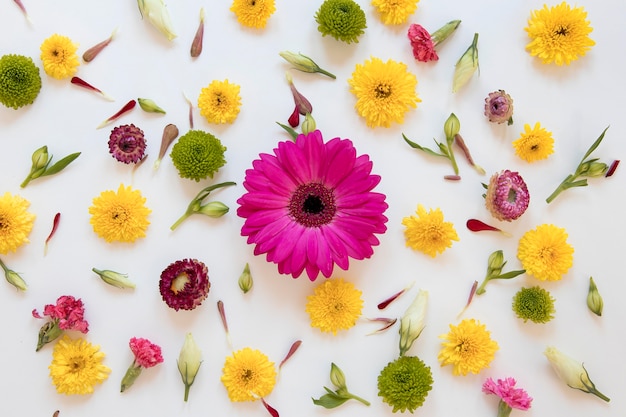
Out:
{"x": 289, "y": 130}
{"x": 60, "y": 164}
{"x": 421, "y": 148}
{"x": 510, "y": 274}
{"x": 330, "y": 400}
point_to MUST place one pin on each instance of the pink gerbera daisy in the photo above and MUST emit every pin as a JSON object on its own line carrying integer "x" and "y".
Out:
{"x": 311, "y": 206}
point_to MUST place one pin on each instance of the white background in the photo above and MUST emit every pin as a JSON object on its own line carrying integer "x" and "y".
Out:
{"x": 574, "y": 102}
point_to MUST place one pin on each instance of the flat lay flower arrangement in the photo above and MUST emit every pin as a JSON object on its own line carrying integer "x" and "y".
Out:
{"x": 271, "y": 207}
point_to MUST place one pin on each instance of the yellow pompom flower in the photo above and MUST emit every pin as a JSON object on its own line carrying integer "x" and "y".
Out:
{"x": 219, "y": 102}
{"x": 77, "y": 367}
{"x": 248, "y": 375}
{"x": 427, "y": 232}
{"x": 545, "y": 253}
{"x": 335, "y": 305}
{"x": 58, "y": 54}
{"x": 15, "y": 222}
{"x": 468, "y": 347}
{"x": 395, "y": 12}
{"x": 253, "y": 13}
{"x": 534, "y": 144}
{"x": 559, "y": 34}
{"x": 385, "y": 91}
{"x": 120, "y": 216}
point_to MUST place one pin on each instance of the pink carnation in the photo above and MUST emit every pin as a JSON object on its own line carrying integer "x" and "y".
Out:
{"x": 422, "y": 44}
{"x": 69, "y": 312}
{"x": 147, "y": 354}
{"x": 505, "y": 389}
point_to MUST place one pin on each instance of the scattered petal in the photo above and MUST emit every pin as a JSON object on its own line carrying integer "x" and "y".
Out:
{"x": 93, "y": 52}
{"x": 127, "y": 107}
{"x": 196, "y": 45}
{"x": 382, "y": 305}
{"x": 294, "y": 347}
{"x": 82, "y": 83}
{"x": 55, "y": 224}
{"x": 612, "y": 168}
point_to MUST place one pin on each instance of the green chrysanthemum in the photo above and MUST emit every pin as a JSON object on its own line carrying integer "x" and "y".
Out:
{"x": 535, "y": 304}
{"x": 404, "y": 383}
{"x": 198, "y": 155}
{"x": 344, "y": 20}
{"x": 20, "y": 82}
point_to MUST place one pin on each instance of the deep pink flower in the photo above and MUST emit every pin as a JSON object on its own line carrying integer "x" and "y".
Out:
{"x": 69, "y": 312}
{"x": 311, "y": 206}
{"x": 147, "y": 354}
{"x": 507, "y": 196}
{"x": 511, "y": 396}
{"x": 185, "y": 284}
{"x": 127, "y": 144}
{"x": 499, "y": 107}
{"x": 422, "y": 44}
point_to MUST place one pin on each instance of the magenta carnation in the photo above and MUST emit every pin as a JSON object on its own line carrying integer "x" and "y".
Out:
{"x": 311, "y": 206}
{"x": 127, "y": 144}
{"x": 422, "y": 44}
{"x": 67, "y": 314}
{"x": 510, "y": 396}
{"x": 147, "y": 354}
{"x": 507, "y": 196}
{"x": 184, "y": 284}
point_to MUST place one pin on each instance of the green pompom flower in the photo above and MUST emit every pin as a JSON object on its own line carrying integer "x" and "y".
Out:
{"x": 344, "y": 20}
{"x": 20, "y": 82}
{"x": 198, "y": 155}
{"x": 535, "y": 304}
{"x": 404, "y": 383}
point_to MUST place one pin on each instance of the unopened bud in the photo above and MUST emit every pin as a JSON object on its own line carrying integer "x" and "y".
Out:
{"x": 495, "y": 263}
{"x": 214, "y": 209}
{"x": 149, "y": 106}
{"x": 337, "y": 377}
{"x": 452, "y": 126}
{"x": 115, "y": 279}
{"x": 594, "y": 299}
{"x": 308, "y": 125}
{"x": 245, "y": 279}
{"x": 593, "y": 169}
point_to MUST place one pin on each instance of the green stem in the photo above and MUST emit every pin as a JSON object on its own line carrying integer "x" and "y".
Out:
{"x": 187, "y": 392}
{"x": 322, "y": 71}
{"x": 599, "y": 394}
{"x": 181, "y": 219}
{"x": 562, "y": 187}
{"x": 356, "y": 397}
{"x": 481, "y": 288}
{"x": 26, "y": 181}
{"x": 453, "y": 161}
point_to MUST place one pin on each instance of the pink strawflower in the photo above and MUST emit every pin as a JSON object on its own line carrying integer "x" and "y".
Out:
{"x": 127, "y": 144}
{"x": 510, "y": 397}
{"x": 147, "y": 354}
{"x": 422, "y": 44}
{"x": 67, "y": 314}
{"x": 185, "y": 284}
{"x": 507, "y": 196}
{"x": 499, "y": 107}
{"x": 310, "y": 206}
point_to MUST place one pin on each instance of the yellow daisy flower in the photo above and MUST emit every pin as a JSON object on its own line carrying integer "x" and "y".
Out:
{"x": 559, "y": 34}
{"x": 15, "y": 222}
{"x": 545, "y": 253}
{"x": 77, "y": 367}
{"x": 534, "y": 144}
{"x": 335, "y": 305}
{"x": 120, "y": 216}
{"x": 385, "y": 91}
{"x": 248, "y": 375}
{"x": 395, "y": 12}
{"x": 219, "y": 102}
{"x": 468, "y": 347}
{"x": 253, "y": 13}
{"x": 428, "y": 232}
{"x": 58, "y": 54}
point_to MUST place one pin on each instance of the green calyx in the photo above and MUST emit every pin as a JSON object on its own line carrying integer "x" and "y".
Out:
{"x": 404, "y": 383}
{"x": 534, "y": 304}
{"x": 198, "y": 155}
{"x": 20, "y": 82}
{"x": 344, "y": 20}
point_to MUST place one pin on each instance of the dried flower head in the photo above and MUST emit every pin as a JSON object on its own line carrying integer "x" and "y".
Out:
{"x": 127, "y": 144}
{"x": 198, "y": 155}
{"x": 77, "y": 367}
{"x": 468, "y": 347}
{"x": 534, "y": 304}
{"x": 395, "y": 12}
{"x": 248, "y": 375}
{"x": 545, "y": 253}
{"x": 219, "y": 102}
{"x": 404, "y": 383}
{"x": 507, "y": 196}
{"x": 427, "y": 232}
{"x": 335, "y": 305}
{"x": 559, "y": 34}
{"x": 16, "y": 222}
{"x": 499, "y": 107}
{"x": 344, "y": 20}
{"x": 20, "y": 82}
{"x": 385, "y": 91}
{"x": 58, "y": 54}
{"x": 184, "y": 284}
{"x": 534, "y": 144}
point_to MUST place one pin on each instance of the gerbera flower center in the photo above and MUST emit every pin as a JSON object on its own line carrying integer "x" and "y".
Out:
{"x": 312, "y": 205}
{"x": 247, "y": 375}
{"x": 546, "y": 253}
{"x": 120, "y": 215}
{"x": 561, "y": 31}
{"x": 178, "y": 283}
{"x": 77, "y": 364}
{"x": 382, "y": 90}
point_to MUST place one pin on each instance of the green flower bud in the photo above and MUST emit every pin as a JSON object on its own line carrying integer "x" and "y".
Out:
{"x": 214, "y": 209}
{"x": 337, "y": 377}
{"x": 189, "y": 362}
{"x": 308, "y": 125}
{"x": 412, "y": 322}
{"x": 303, "y": 63}
{"x": 245, "y": 279}
{"x": 594, "y": 299}
{"x": 156, "y": 13}
{"x": 443, "y": 32}
{"x": 495, "y": 263}
{"x": 149, "y": 106}
{"x": 593, "y": 169}
{"x": 466, "y": 66}
{"x": 114, "y": 278}
{"x": 451, "y": 127}
{"x": 13, "y": 277}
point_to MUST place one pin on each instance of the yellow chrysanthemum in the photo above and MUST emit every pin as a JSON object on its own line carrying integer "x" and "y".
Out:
{"x": 335, "y": 305}
{"x": 253, "y": 13}
{"x": 248, "y": 375}
{"x": 219, "y": 102}
{"x": 385, "y": 91}
{"x": 428, "y": 232}
{"x": 58, "y": 54}
{"x": 534, "y": 144}
{"x": 120, "y": 216}
{"x": 15, "y": 222}
{"x": 77, "y": 367}
{"x": 559, "y": 34}
{"x": 395, "y": 12}
{"x": 468, "y": 347}
{"x": 545, "y": 253}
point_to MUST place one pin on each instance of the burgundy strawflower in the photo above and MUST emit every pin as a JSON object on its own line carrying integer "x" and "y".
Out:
{"x": 507, "y": 196}
{"x": 422, "y": 44}
{"x": 67, "y": 314}
{"x": 184, "y": 284}
{"x": 127, "y": 144}
{"x": 510, "y": 397}
{"x": 499, "y": 107}
{"x": 147, "y": 355}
